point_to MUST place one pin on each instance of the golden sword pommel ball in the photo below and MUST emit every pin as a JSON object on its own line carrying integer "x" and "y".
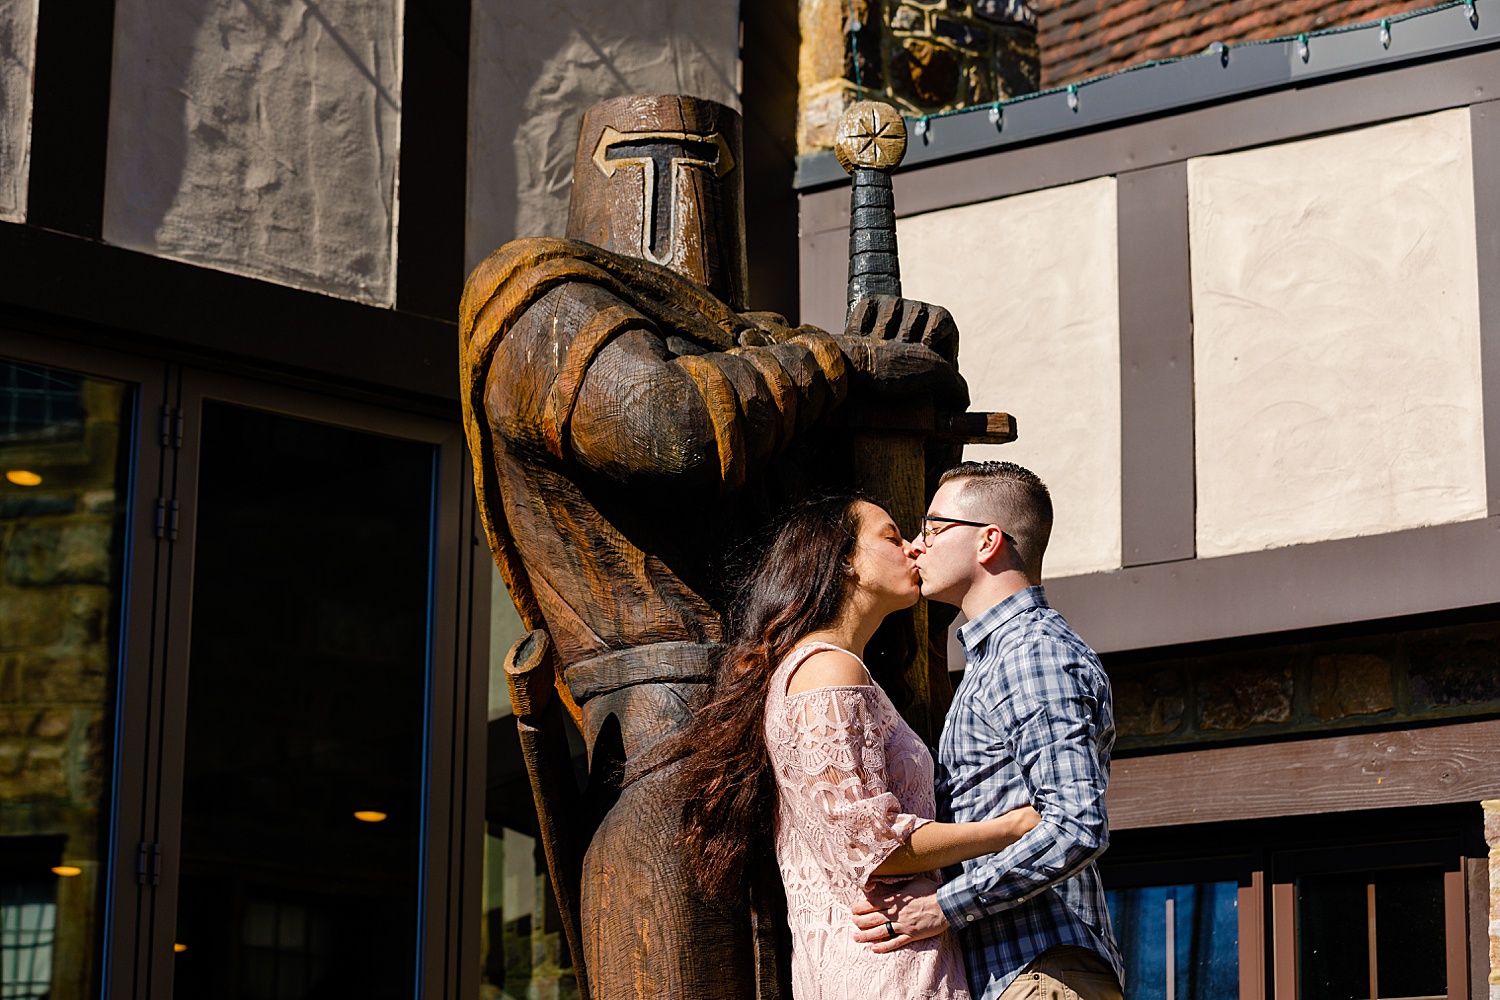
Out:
{"x": 871, "y": 134}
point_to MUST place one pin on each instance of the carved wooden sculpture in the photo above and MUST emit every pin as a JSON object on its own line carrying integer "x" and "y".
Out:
{"x": 629, "y": 422}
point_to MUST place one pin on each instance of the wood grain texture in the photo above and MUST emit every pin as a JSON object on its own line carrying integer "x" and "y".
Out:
{"x": 1411, "y": 767}
{"x": 1284, "y": 941}
{"x": 1455, "y": 927}
{"x": 1252, "y": 924}
{"x": 629, "y": 425}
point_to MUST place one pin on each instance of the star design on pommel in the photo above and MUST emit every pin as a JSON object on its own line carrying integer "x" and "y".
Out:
{"x": 871, "y": 134}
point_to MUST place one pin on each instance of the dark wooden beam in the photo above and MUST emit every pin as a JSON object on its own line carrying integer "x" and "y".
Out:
{"x": 1156, "y": 366}
{"x": 1409, "y": 767}
{"x": 70, "y": 115}
{"x": 1484, "y": 122}
{"x": 434, "y": 157}
{"x": 1410, "y": 572}
{"x": 150, "y": 305}
{"x": 769, "y": 42}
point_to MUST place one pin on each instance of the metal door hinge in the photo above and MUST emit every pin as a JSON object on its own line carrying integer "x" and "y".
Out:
{"x": 171, "y": 426}
{"x": 166, "y": 519}
{"x": 148, "y": 864}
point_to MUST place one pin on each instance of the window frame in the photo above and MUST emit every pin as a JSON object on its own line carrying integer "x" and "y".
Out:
{"x": 136, "y": 912}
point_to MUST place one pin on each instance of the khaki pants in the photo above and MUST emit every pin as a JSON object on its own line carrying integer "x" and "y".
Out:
{"x": 1065, "y": 973}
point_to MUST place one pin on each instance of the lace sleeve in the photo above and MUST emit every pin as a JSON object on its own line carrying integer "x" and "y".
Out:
{"x": 837, "y": 782}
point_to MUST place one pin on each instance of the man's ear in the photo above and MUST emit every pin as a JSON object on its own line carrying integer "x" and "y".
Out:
{"x": 991, "y": 546}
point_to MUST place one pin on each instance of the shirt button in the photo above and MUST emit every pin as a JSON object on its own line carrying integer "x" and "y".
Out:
{"x": 970, "y": 918}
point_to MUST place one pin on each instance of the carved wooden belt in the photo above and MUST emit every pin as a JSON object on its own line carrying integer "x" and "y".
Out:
{"x": 658, "y": 663}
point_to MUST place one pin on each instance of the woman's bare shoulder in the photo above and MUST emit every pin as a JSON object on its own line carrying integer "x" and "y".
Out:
{"x": 828, "y": 668}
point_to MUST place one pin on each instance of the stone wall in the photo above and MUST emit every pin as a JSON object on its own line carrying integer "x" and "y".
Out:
{"x": 1391, "y": 679}
{"x": 59, "y": 582}
{"x": 923, "y": 56}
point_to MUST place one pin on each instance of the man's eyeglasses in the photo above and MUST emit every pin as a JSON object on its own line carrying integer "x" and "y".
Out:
{"x": 929, "y": 532}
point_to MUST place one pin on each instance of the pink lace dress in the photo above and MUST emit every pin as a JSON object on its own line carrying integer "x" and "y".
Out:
{"x": 854, "y": 782}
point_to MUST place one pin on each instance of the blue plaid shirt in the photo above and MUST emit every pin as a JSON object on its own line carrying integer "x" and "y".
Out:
{"x": 1032, "y": 722}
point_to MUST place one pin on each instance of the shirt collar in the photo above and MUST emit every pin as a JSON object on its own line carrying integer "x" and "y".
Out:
{"x": 970, "y": 634}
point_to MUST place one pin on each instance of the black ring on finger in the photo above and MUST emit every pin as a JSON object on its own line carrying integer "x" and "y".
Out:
{"x": 890, "y": 931}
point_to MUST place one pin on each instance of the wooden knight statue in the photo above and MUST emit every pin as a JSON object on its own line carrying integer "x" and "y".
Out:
{"x": 629, "y": 423}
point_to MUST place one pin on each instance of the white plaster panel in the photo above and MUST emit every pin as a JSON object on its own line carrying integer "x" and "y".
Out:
{"x": 260, "y": 137}
{"x": 1032, "y": 281}
{"x": 1336, "y": 336}
{"x": 536, "y": 67}
{"x": 17, "y": 63}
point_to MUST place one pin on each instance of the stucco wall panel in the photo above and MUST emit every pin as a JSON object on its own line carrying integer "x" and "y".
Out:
{"x": 536, "y": 67}
{"x": 17, "y": 64}
{"x": 1336, "y": 336}
{"x": 260, "y": 137}
{"x": 1032, "y": 281}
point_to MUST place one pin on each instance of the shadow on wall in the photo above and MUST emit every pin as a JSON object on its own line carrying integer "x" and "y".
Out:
{"x": 259, "y": 137}
{"x": 535, "y": 68}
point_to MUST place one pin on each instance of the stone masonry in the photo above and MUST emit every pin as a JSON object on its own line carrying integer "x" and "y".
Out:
{"x": 923, "y": 56}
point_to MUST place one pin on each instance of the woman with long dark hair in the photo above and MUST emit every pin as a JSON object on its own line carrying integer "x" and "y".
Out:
{"x": 800, "y": 748}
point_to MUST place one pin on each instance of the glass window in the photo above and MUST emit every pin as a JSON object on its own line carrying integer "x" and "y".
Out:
{"x": 307, "y": 687}
{"x": 524, "y": 952}
{"x": 1180, "y": 942}
{"x": 64, "y": 458}
{"x": 1375, "y": 935}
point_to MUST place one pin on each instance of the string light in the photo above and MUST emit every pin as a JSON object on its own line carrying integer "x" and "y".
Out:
{"x": 1301, "y": 46}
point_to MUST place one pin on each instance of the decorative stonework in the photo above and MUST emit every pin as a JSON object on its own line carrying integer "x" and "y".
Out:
{"x": 923, "y": 56}
{"x": 1393, "y": 679}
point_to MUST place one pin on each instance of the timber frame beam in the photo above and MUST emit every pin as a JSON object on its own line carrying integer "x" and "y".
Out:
{"x": 1385, "y": 770}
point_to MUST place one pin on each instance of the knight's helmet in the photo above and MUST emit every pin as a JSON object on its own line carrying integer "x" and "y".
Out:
{"x": 660, "y": 178}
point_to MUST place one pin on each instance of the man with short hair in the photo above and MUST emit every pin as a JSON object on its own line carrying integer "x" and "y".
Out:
{"x": 1032, "y": 722}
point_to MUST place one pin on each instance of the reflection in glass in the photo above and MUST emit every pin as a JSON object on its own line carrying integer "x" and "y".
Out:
{"x": 64, "y": 452}
{"x": 1180, "y": 942}
{"x": 306, "y": 704}
{"x": 1394, "y": 916}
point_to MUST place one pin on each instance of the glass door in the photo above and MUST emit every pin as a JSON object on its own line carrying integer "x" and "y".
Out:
{"x": 307, "y": 680}
{"x": 317, "y": 543}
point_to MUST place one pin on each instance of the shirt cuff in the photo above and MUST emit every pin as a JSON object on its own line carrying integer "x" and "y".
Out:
{"x": 960, "y": 903}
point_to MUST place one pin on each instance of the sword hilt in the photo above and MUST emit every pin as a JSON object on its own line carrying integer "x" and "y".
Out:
{"x": 870, "y": 142}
